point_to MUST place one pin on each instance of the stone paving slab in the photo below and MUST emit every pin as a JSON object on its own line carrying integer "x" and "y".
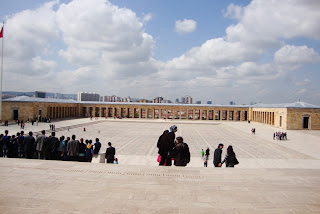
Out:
{"x": 39, "y": 186}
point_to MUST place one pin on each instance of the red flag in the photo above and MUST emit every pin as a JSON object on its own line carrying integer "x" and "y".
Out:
{"x": 1, "y": 33}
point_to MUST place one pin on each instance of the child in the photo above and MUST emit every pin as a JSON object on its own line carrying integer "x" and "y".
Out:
{"x": 115, "y": 161}
{"x": 205, "y": 163}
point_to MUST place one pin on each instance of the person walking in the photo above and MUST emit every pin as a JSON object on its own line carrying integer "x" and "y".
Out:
{"x": 202, "y": 153}
{"x": 183, "y": 153}
{"x": 207, "y": 152}
{"x": 230, "y": 158}
{"x": 205, "y": 161}
{"x": 110, "y": 153}
{"x": 166, "y": 144}
{"x": 217, "y": 156}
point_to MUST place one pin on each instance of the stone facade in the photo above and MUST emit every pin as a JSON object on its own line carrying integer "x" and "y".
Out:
{"x": 286, "y": 118}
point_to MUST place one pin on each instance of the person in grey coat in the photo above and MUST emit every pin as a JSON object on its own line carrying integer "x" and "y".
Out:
{"x": 41, "y": 147}
{"x": 73, "y": 148}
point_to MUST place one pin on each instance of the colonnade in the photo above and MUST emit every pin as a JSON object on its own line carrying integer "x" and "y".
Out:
{"x": 166, "y": 112}
{"x": 55, "y": 112}
{"x": 263, "y": 117}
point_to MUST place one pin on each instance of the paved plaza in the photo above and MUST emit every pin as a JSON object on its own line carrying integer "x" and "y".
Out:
{"x": 272, "y": 177}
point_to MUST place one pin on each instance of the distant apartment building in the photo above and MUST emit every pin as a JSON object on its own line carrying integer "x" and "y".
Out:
{"x": 88, "y": 96}
{"x": 198, "y": 102}
{"x": 126, "y": 99}
{"x": 209, "y": 102}
{"x": 144, "y": 101}
{"x": 183, "y": 100}
{"x": 40, "y": 94}
{"x": 188, "y": 99}
{"x": 166, "y": 101}
{"x": 157, "y": 100}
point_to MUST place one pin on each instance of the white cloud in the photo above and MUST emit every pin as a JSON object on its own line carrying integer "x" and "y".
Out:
{"x": 185, "y": 26}
{"x": 296, "y": 55}
{"x": 266, "y": 23}
{"x": 234, "y": 11}
{"x": 147, "y": 17}
{"x": 93, "y": 45}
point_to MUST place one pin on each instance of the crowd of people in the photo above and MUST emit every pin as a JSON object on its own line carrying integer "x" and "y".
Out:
{"x": 52, "y": 148}
{"x": 280, "y": 135}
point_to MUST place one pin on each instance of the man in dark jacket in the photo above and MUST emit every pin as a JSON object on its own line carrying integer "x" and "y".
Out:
{"x": 207, "y": 152}
{"x": 217, "y": 156}
{"x": 52, "y": 146}
{"x": 166, "y": 144}
{"x": 20, "y": 144}
{"x": 110, "y": 152}
{"x": 5, "y": 143}
{"x": 29, "y": 145}
{"x": 97, "y": 146}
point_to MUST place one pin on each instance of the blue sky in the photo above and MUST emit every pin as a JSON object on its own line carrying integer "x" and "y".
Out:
{"x": 242, "y": 51}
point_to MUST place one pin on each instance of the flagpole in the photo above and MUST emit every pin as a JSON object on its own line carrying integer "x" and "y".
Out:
{"x": 1, "y": 74}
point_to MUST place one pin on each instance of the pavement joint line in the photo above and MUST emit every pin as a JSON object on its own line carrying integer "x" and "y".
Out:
{"x": 85, "y": 171}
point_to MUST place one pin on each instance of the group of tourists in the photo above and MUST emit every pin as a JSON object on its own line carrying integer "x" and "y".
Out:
{"x": 174, "y": 149}
{"x": 230, "y": 159}
{"x": 280, "y": 135}
{"x": 52, "y": 148}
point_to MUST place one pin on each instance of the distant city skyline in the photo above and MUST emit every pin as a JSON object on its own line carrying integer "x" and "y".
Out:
{"x": 242, "y": 51}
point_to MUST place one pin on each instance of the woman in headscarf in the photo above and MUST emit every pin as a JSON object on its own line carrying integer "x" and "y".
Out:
{"x": 230, "y": 158}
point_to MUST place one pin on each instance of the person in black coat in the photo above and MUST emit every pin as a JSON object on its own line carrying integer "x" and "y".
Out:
{"x": 52, "y": 146}
{"x": 217, "y": 156}
{"x": 230, "y": 158}
{"x": 183, "y": 153}
{"x": 97, "y": 146}
{"x": 207, "y": 152}
{"x": 166, "y": 144}
{"x": 29, "y": 145}
{"x": 110, "y": 153}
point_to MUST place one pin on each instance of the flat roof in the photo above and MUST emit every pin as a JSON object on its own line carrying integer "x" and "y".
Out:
{"x": 258, "y": 105}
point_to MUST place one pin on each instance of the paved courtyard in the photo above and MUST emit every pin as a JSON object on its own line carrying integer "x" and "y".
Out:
{"x": 135, "y": 140}
{"x": 272, "y": 177}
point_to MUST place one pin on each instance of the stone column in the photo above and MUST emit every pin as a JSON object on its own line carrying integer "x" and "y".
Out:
{"x": 187, "y": 114}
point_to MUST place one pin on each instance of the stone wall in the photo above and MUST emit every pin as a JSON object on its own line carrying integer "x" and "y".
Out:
{"x": 296, "y": 115}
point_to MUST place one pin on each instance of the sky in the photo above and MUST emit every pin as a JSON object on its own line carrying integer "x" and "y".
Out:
{"x": 242, "y": 51}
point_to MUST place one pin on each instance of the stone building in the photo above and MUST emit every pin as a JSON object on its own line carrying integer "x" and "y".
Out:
{"x": 287, "y": 116}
